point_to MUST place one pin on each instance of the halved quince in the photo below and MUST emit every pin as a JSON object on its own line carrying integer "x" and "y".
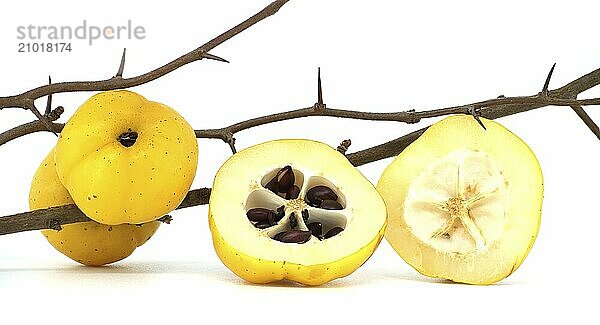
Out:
{"x": 296, "y": 210}
{"x": 89, "y": 243}
{"x": 464, "y": 202}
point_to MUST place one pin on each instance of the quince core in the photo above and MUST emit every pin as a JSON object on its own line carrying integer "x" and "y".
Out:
{"x": 464, "y": 202}
{"x": 88, "y": 243}
{"x": 295, "y": 210}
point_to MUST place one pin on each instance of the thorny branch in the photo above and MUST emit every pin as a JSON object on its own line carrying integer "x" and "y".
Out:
{"x": 55, "y": 217}
{"x": 52, "y": 218}
{"x": 26, "y": 99}
{"x": 492, "y": 108}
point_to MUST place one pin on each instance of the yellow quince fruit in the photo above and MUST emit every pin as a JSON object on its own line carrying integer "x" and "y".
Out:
{"x": 125, "y": 159}
{"x": 89, "y": 243}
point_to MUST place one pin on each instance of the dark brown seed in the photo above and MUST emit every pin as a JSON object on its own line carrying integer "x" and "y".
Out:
{"x": 280, "y": 213}
{"x": 305, "y": 215}
{"x": 260, "y": 214}
{"x": 318, "y": 194}
{"x": 312, "y": 204}
{"x": 293, "y": 236}
{"x": 273, "y": 185}
{"x": 292, "y": 193}
{"x": 316, "y": 228}
{"x": 285, "y": 178}
{"x": 263, "y": 224}
{"x": 293, "y": 221}
{"x": 331, "y": 205}
{"x": 333, "y": 231}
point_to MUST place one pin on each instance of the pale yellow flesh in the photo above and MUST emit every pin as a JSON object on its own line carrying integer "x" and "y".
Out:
{"x": 88, "y": 243}
{"x": 487, "y": 261}
{"x": 113, "y": 184}
{"x": 256, "y": 257}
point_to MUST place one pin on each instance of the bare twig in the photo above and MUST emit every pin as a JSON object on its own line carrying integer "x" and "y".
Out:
{"x": 25, "y": 100}
{"x": 491, "y": 109}
{"x": 394, "y": 147}
{"x": 30, "y": 105}
{"x": 587, "y": 120}
{"x": 55, "y": 217}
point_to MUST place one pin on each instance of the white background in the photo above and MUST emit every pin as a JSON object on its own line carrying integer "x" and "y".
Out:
{"x": 375, "y": 55}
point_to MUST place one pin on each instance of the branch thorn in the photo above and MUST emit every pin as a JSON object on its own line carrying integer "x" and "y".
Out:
{"x": 49, "y": 100}
{"x": 213, "y": 57}
{"x": 230, "y": 140}
{"x": 411, "y": 117}
{"x": 165, "y": 219}
{"x": 547, "y": 83}
{"x": 54, "y": 224}
{"x": 319, "y": 105}
{"x": 55, "y": 113}
{"x": 474, "y": 112}
{"x": 122, "y": 65}
{"x": 343, "y": 147}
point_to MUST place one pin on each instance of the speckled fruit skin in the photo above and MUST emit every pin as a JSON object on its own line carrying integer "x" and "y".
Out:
{"x": 88, "y": 243}
{"x": 113, "y": 184}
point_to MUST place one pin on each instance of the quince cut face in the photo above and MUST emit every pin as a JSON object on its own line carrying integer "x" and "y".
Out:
{"x": 296, "y": 210}
{"x": 464, "y": 203}
{"x": 89, "y": 243}
{"x": 125, "y": 159}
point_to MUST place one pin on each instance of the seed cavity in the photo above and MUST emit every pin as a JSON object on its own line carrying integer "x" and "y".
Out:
{"x": 303, "y": 214}
{"x": 316, "y": 228}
